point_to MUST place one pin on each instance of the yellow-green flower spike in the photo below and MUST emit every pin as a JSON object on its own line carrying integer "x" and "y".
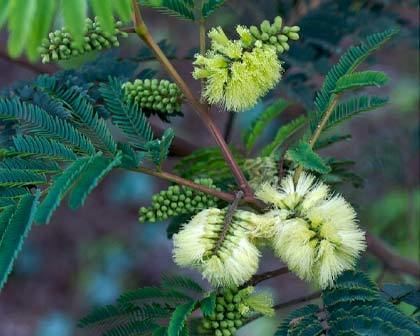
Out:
{"x": 60, "y": 44}
{"x": 177, "y": 200}
{"x": 233, "y": 306}
{"x": 315, "y": 231}
{"x": 160, "y": 96}
{"x": 224, "y": 259}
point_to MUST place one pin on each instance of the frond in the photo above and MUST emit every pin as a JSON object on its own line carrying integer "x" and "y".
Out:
{"x": 158, "y": 149}
{"x": 43, "y": 124}
{"x": 180, "y": 282}
{"x": 303, "y": 155}
{"x": 263, "y": 119}
{"x": 107, "y": 315}
{"x": 128, "y": 118}
{"x": 32, "y": 165}
{"x": 210, "y": 6}
{"x": 133, "y": 328}
{"x": 282, "y": 134}
{"x": 20, "y": 178}
{"x": 147, "y": 293}
{"x": 42, "y": 148}
{"x": 183, "y": 9}
{"x": 15, "y": 228}
{"x": 179, "y": 318}
{"x": 358, "y": 80}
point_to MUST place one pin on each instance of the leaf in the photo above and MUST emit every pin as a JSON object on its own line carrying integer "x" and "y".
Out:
{"x": 359, "y": 80}
{"x": 263, "y": 119}
{"x": 102, "y": 315}
{"x": 182, "y": 9}
{"x": 123, "y": 9}
{"x": 304, "y": 156}
{"x": 208, "y": 304}
{"x": 158, "y": 149}
{"x": 59, "y": 188}
{"x": 146, "y": 293}
{"x": 4, "y": 10}
{"x": 40, "y": 147}
{"x": 331, "y": 140}
{"x": 45, "y": 10}
{"x": 15, "y": 232}
{"x": 354, "y": 106}
{"x": 210, "y": 6}
{"x": 180, "y": 282}
{"x": 179, "y": 318}
{"x": 74, "y": 14}
{"x": 103, "y": 10}
{"x": 93, "y": 173}
{"x": 20, "y": 178}
{"x": 282, "y": 134}
{"x": 21, "y": 18}
{"x": 350, "y": 60}
{"x": 133, "y": 328}
{"x": 129, "y": 118}
{"x": 35, "y": 166}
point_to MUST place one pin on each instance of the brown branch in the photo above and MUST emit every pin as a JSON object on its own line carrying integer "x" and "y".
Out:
{"x": 390, "y": 259}
{"x": 202, "y": 111}
{"x": 257, "y": 278}
{"x": 229, "y": 126}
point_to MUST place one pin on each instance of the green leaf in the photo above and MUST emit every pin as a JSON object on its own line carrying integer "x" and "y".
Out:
{"x": 146, "y": 293}
{"x": 123, "y": 9}
{"x": 4, "y": 10}
{"x": 158, "y": 149}
{"x": 40, "y": 122}
{"x": 35, "y": 166}
{"x": 208, "y": 304}
{"x": 359, "y": 80}
{"x": 15, "y": 232}
{"x": 350, "y": 60}
{"x": 21, "y": 19}
{"x": 93, "y": 173}
{"x": 331, "y": 140}
{"x": 263, "y": 119}
{"x": 161, "y": 331}
{"x": 354, "y": 106}
{"x": 210, "y": 6}
{"x": 59, "y": 188}
{"x": 180, "y": 282}
{"x": 133, "y": 328}
{"x": 282, "y": 134}
{"x": 102, "y": 315}
{"x": 103, "y": 10}
{"x": 304, "y": 156}
{"x": 129, "y": 118}
{"x": 40, "y": 147}
{"x": 20, "y": 178}
{"x": 45, "y": 10}
{"x": 182, "y": 9}
{"x": 74, "y": 14}
{"x": 179, "y": 318}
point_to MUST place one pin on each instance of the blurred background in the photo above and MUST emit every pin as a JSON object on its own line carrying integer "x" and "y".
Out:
{"x": 87, "y": 258}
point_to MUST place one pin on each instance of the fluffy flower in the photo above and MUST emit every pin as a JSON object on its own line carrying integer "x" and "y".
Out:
{"x": 237, "y": 73}
{"x": 225, "y": 261}
{"x": 315, "y": 232}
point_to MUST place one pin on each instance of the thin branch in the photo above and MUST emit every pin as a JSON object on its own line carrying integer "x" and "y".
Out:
{"x": 390, "y": 259}
{"x": 256, "y": 279}
{"x": 144, "y": 34}
{"x": 35, "y": 68}
{"x": 229, "y": 126}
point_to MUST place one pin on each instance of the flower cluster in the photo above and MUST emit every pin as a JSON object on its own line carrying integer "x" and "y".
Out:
{"x": 261, "y": 170}
{"x": 161, "y": 96}
{"x": 60, "y": 44}
{"x": 177, "y": 200}
{"x": 232, "y": 308}
{"x": 225, "y": 258}
{"x": 314, "y": 231}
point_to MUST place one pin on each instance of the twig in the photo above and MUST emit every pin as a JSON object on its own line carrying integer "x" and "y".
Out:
{"x": 390, "y": 259}
{"x": 256, "y": 279}
{"x": 228, "y": 219}
{"x": 143, "y": 33}
{"x": 35, "y": 68}
{"x": 229, "y": 126}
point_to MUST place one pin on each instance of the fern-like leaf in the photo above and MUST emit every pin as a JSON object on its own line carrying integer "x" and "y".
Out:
{"x": 260, "y": 123}
{"x": 210, "y": 6}
{"x": 295, "y": 318}
{"x": 183, "y": 9}
{"x": 20, "y": 178}
{"x": 361, "y": 79}
{"x": 179, "y": 318}
{"x": 354, "y": 106}
{"x": 133, "y": 328}
{"x": 181, "y": 283}
{"x": 6, "y": 192}
{"x": 128, "y": 118}
{"x": 42, "y": 148}
{"x": 208, "y": 304}
{"x": 107, "y": 314}
{"x": 282, "y": 134}
{"x": 303, "y": 155}
{"x": 35, "y": 166}
{"x": 59, "y": 188}
{"x": 15, "y": 232}
{"x": 41, "y": 123}
{"x": 93, "y": 173}
{"x": 158, "y": 149}
{"x": 147, "y": 293}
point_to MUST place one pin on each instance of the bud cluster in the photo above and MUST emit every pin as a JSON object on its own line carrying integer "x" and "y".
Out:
{"x": 261, "y": 170}
{"x": 177, "y": 200}
{"x": 158, "y": 95}
{"x": 233, "y": 306}
{"x": 60, "y": 44}
{"x": 275, "y": 34}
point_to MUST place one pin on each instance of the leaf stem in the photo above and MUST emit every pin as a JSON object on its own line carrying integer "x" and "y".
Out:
{"x": 143, "y": 32}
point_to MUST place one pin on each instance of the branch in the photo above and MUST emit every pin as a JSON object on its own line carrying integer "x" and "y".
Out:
{"x": 35, "y": 68}
{"x": 257, "y": 278}
{"x": 143, "y": 32}
{"x": 229, "y": 126}
{"x": 390, "y": 259}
